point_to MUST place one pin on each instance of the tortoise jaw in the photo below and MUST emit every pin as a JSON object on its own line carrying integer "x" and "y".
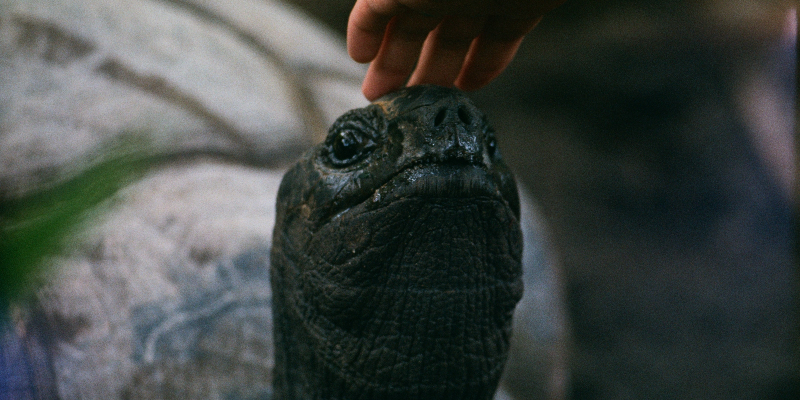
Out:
{"x": 457, "y": 178}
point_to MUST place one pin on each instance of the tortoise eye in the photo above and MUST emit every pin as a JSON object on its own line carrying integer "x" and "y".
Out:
{"x": 348, "y": 146}
{"x": 491, "y": 146}
{"x": 353, "y": 137}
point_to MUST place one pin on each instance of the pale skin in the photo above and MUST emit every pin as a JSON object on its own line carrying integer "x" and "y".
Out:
{"x": 461, "y": 43}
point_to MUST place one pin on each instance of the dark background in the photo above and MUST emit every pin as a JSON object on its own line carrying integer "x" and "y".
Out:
{"x": 657, "y": 138}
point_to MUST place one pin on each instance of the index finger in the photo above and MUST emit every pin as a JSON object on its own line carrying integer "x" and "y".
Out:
{"x": 367, "y": 25}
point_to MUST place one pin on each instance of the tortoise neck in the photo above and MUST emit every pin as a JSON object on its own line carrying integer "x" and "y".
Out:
{"x": 427, "y": 315}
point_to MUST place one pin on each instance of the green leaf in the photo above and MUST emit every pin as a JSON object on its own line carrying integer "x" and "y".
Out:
{"x": 36, "y": 226}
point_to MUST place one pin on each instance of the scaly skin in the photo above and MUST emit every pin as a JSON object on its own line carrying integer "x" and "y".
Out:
{"x": 396, "y": 256}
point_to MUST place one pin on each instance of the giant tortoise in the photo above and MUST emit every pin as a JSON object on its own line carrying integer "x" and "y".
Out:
{"x": 165, "y": 292}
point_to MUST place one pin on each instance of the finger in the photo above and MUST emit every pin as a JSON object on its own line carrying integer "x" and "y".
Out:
{"x": 444, "y": 51}
{"x": 493, "y": 50}
{"x": 366, "y": 27}
{"x": 398, "y": 53}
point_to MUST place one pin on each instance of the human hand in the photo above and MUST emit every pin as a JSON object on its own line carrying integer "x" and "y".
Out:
{"x": 465, "y": 43}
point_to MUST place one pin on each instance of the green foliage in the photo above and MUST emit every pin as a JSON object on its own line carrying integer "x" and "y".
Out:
{"x": 36, "y": 225}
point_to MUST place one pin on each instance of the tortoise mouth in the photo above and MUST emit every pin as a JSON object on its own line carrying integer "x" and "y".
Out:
{"x": 448, "y": 179}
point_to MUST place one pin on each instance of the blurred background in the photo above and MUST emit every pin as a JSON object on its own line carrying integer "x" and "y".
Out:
{"x": 657, "y": 137}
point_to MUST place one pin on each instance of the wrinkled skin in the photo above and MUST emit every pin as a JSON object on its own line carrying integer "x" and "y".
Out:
{"x": 396, "y": 257}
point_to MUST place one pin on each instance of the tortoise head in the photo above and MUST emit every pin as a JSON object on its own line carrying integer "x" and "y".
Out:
{"x": 396, "y": 256}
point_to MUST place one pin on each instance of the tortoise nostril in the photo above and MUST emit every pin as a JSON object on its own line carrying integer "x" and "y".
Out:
{"x": 440, "y": 117}
{"x": 464, "y": 116}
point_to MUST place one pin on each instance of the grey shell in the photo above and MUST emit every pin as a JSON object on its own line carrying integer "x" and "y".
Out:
{"x": 166, "y": 292}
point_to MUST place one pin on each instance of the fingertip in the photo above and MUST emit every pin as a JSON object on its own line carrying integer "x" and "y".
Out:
{"x": 479, "y": 73}
{"x": 368, "y": 91}
{"x": 373, "y": 92}
{"x": 375, "y": 86}
{"x": 370, "y": 94}
{"x": 362, "y": 46}
{"x": 472, "y": 79}
{"x": 397, "y": 54}
{"x": 482, "y": 65}
{"x": 470, "y": 84}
